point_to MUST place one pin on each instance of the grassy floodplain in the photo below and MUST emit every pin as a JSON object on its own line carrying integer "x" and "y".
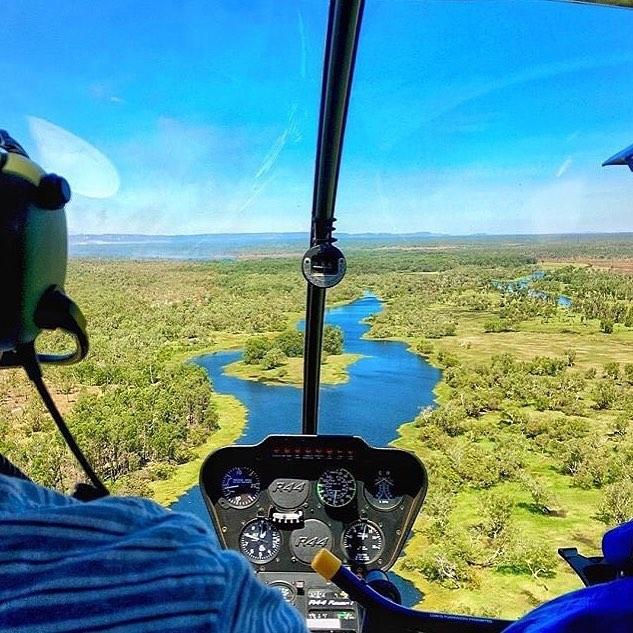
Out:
{"x": 554, "y": 451}
{"x": 529, "y": 448}
{"x": 572, "y": 521}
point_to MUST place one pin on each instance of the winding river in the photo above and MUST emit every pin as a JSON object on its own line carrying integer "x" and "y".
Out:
{"x": 387, "y": 387}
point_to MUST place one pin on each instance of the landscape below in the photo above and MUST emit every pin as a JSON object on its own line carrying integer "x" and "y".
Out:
{"x": 530, "y": 447}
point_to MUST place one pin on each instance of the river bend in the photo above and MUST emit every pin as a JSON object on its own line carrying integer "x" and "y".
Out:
{"x": 388, "y": 386}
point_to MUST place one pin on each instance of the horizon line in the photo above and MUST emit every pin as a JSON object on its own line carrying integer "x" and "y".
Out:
{"x": 362, "y": 233}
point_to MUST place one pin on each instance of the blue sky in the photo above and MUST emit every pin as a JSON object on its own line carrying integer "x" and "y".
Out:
{"x": 201, "y": 116}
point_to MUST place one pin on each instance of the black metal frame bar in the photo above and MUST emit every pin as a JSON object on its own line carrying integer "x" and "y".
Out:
{"x": 344, "y": 23}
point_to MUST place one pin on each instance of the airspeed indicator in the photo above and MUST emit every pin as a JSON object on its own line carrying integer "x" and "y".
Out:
{"x": 336, "y": 488}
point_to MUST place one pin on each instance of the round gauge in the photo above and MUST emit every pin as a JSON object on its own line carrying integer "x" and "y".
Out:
{"x": 240, "y": 486}
{"x": 336, "y": 488}
{"x": 286, "y": 590}
{"x": 260, "y": 541}
{"x": 363, "y": 542}
{"x": 380, "y": 491}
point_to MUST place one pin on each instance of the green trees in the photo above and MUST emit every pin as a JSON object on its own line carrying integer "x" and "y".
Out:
{"x": 440, "y": 327}
{"x": 124, "y": 430}
{"x": 495, "y": 510}
{"x": 425, "y": 347}
{"x": 132, "y": 403}
{"x": 438, "y": 507}
{"x": 271, "y": 353}
{"x": 612, "y": 370}
{"x": 448, "y": 564}
{"x": 543, "y": 500}
{"x": 597, "y": 294}
{"x": 255, "y": 349}
{"x": 570, "y": 355}
{"x": 617, "y": 503}
{"x": 332, "y": 340}
{"x": 290, "y": 342}
{"x": 526, "y": 556}
{"x": 273, "y": 358}
{"x": 503, "y": 382}
{"x": 499, "y": 325}
{"x": 605, "y": 394}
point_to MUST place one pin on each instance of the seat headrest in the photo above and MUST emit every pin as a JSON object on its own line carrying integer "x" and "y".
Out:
{"x": 617, "y": 546}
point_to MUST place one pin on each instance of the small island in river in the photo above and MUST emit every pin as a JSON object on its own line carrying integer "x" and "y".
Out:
{"x": 290, "y": 372}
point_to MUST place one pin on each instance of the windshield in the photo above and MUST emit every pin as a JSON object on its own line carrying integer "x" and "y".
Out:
{"x": 485, "y": 320}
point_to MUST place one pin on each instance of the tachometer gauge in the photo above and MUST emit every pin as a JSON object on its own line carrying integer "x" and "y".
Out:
{"x": 260, "y": 541}
{"x": 336, "y": 488}
{"x": 380, "y": 491}
{"x": 240, "y": 486}
{"x": 363, "y": 542}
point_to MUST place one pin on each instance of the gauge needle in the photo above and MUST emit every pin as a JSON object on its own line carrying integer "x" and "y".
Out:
{"x": 253, "y": 537}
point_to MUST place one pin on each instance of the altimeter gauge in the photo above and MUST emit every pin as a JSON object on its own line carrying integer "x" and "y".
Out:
{"x": 240, "y": 486}
{"x": 336, "y": 488}
{"x": 363, "y": 542}
{"x": 260, "y": 541}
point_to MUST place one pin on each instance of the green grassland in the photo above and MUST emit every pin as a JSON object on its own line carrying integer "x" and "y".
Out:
{"x": 516, "y": 594}
{"x": 486, "y": 589}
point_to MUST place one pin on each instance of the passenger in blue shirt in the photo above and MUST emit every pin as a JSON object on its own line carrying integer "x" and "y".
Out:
{"x": 122, "y": 565}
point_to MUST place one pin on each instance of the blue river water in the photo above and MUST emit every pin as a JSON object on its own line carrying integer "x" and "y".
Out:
{"x": 524, "y": 283}
{"x": 387, "y": 386}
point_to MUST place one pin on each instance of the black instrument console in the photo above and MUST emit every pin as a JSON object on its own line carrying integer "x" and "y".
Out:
{"x": 279, "y": 502}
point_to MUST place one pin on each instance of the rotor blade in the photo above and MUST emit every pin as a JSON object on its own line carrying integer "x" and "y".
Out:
{"x": 344, "y": 22}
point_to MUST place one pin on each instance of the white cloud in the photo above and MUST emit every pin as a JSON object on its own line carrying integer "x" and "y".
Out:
{"x": 199, "y": 178}
{"x": 103, "y": 91}
{"x": 466, "y": 201}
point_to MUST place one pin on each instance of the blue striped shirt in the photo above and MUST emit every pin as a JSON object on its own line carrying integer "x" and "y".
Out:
{"x": 122, "y": 564}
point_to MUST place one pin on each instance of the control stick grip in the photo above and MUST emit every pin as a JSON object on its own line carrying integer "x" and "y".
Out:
{"x": 386, "y": 615}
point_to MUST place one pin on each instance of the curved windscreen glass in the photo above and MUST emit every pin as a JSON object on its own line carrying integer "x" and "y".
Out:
{"x": 489, "y": 117}
{"x": 169, "y": 119}
{"x": 485, "y": 321}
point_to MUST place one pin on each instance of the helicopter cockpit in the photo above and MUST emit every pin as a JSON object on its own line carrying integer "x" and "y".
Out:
{"x": 321, "y": 517}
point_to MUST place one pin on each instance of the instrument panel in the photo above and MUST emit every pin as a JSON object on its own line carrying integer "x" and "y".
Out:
{"x": 279, "y": 502}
